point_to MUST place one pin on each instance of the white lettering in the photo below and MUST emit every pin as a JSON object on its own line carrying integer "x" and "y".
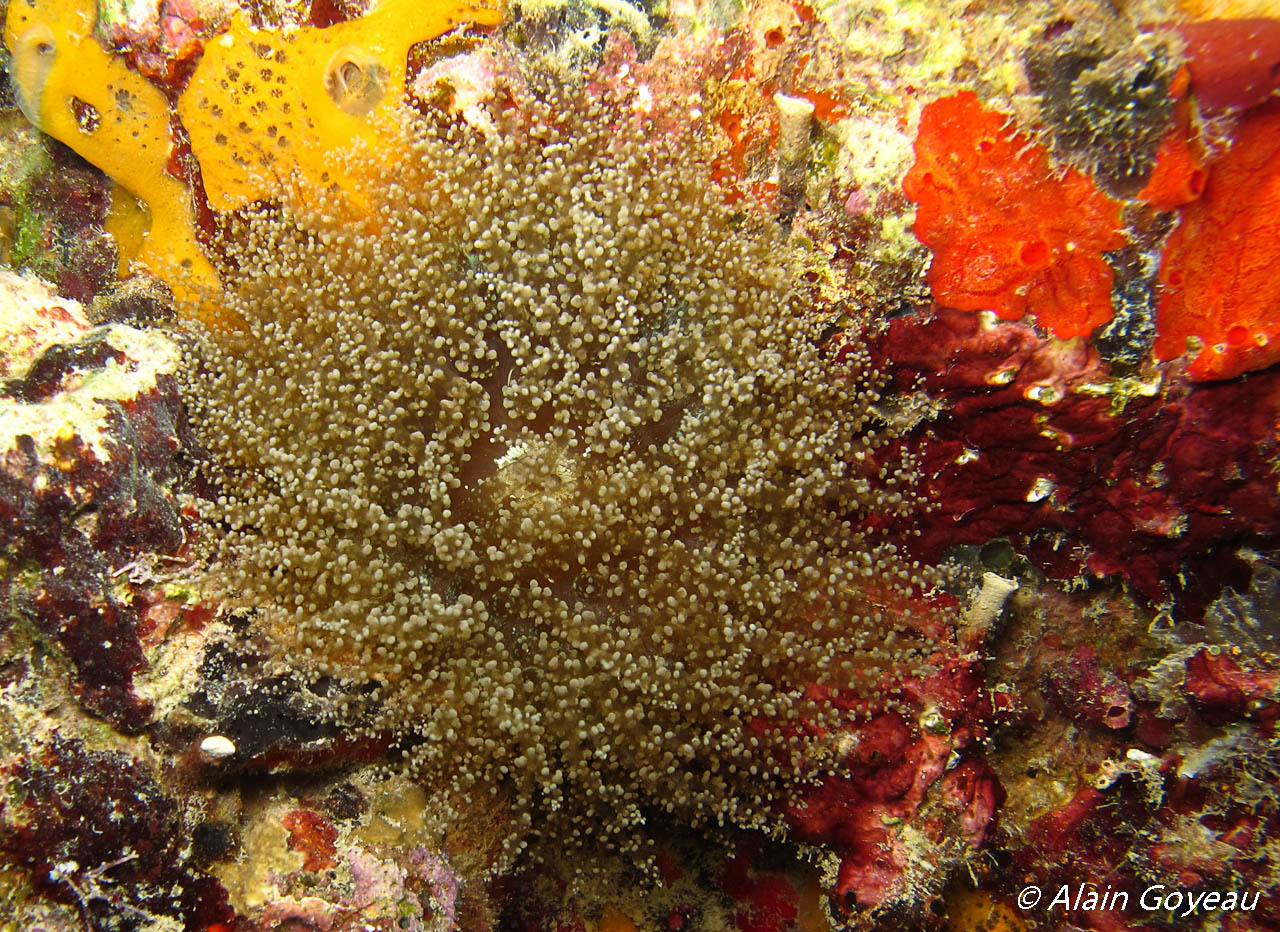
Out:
{"x": 1155, "y": 902}
{"x": 1193, "y": 903}
{"x": 1156, "y": 898}
{"x": 1062, "y": 897}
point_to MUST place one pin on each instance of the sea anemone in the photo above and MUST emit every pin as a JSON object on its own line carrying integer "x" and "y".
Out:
{"x": 547, "y": 460}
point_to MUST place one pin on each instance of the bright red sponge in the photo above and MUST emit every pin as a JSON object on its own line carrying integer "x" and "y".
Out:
{"x": 1009, "y": 232}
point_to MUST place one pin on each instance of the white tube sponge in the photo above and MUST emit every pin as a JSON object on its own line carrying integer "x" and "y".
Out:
{"x": 989, "y": 602}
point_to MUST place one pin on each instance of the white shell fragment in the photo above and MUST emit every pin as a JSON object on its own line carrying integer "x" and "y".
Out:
{"x": 217, "y": 747}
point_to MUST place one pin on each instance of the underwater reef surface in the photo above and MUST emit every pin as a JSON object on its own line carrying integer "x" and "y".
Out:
{"x": 606, "y": 466}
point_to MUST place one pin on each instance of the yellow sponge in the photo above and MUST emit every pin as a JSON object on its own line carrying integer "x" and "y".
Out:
{"x": 263, "y": 108}
{"x": 72, "y": 89}
{"x": 265, "y": 104}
